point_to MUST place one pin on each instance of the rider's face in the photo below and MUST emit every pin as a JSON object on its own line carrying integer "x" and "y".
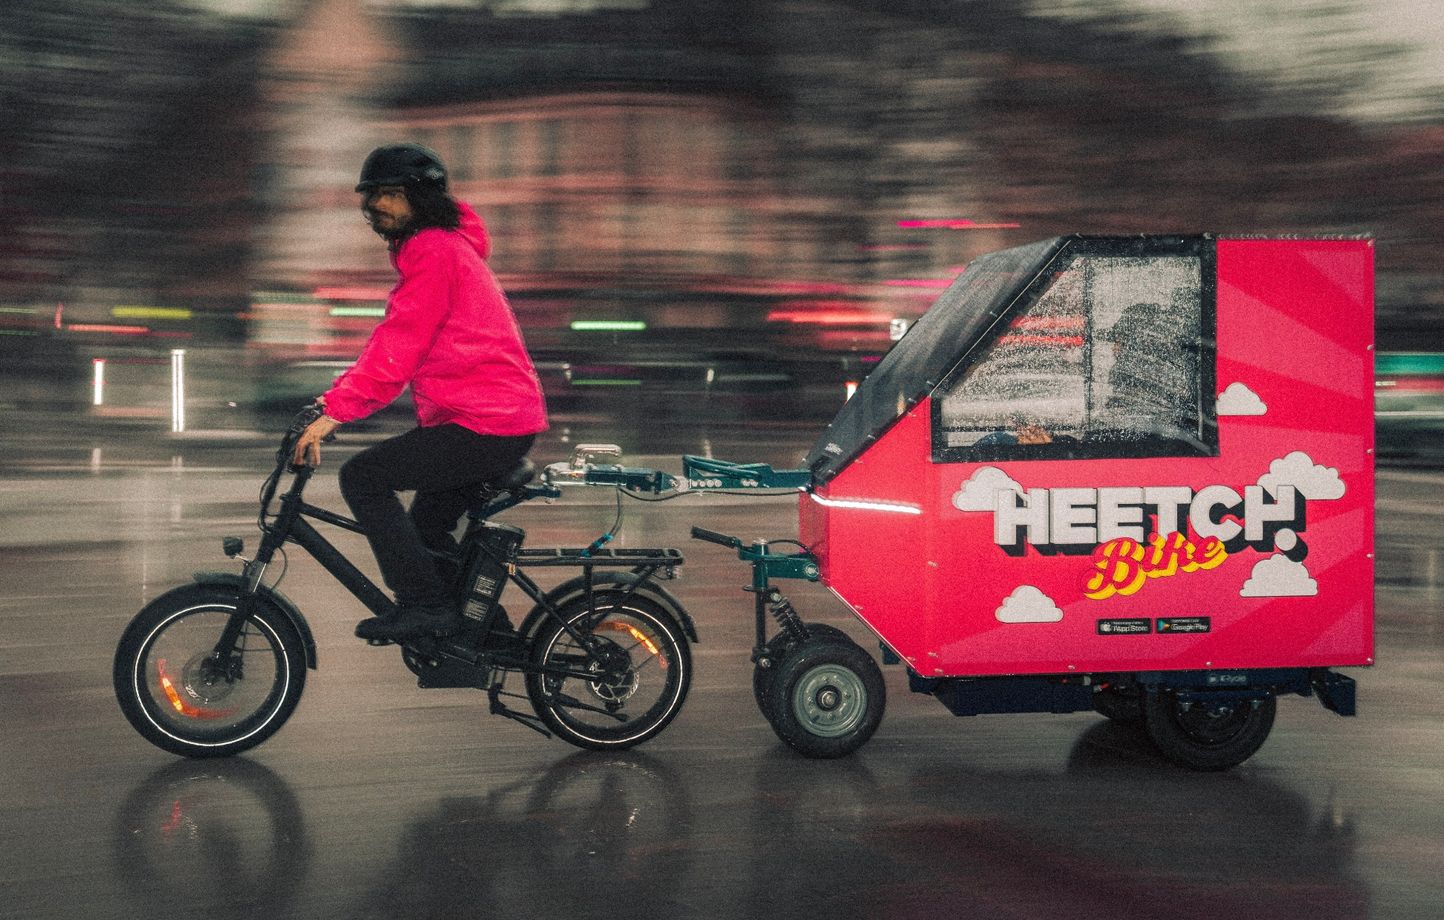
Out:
{"x": 387, "y": 209}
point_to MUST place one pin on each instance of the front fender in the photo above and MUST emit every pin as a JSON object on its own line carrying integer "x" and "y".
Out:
{"x": 280, "y": 601}
{"x": 577, "y": 587}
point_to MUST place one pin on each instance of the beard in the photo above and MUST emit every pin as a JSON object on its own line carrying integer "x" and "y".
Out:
{"x": 388, "y": 228}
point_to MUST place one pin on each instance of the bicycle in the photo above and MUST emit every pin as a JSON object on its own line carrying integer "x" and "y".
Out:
{"x": 216, "y": 667}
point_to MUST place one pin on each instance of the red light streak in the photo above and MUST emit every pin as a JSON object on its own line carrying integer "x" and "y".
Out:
{"x": 101, "y": 327}
{"x": 827, "y": 317}
{"x": 958, "y": 224}
{"x": 351, "y": 293}
{"x": 1047, "y": 322}
{"x": 919, "y": 282}
{"x": 1062, "y": 341}
{"x": 1419, "y": 384}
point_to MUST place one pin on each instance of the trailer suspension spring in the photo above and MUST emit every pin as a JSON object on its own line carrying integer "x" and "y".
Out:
{"x": 787, "y": 619}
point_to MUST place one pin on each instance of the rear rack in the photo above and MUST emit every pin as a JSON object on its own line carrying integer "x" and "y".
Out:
{"x": 600, "y": 557}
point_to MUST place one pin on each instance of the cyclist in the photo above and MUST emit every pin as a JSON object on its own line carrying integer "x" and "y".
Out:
{"x": 449, "y": 333}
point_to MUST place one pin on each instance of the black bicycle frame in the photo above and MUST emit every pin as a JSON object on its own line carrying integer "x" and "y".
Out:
{"x": 290, "y": 525}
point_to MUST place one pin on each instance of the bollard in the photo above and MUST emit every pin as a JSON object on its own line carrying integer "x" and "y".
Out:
{"x": 178, "y": 389}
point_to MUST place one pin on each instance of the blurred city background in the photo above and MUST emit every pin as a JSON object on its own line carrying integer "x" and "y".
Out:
{"x": 706, "y": 213}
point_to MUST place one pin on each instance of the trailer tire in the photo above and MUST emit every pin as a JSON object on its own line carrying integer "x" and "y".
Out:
{"x": 826, "y": 698}
{"x": 1205, "y": 735}
{"x": 776, "y": 650}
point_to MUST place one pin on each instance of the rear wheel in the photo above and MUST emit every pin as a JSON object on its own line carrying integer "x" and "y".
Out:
{"x": 627, "y": 681}
{"x": 1203, "y": 734}
{"x": 185, "y": 698}
{"x": 827, "y": 697}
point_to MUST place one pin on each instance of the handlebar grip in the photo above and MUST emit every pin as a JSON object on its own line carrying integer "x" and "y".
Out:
{"x": 712, "y": 536}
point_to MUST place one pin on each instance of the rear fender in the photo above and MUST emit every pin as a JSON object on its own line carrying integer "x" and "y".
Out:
{"x": 271, "y": 596}
{"x": 607, "y": 582}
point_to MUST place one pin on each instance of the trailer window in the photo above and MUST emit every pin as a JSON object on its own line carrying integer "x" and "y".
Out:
{"x": 1108, "y": 359}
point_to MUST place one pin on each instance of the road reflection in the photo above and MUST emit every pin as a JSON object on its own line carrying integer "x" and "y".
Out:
{"x": 223, "y": 838}
{"x": 595, "y": 835}
{"x": 1121, "y": 833}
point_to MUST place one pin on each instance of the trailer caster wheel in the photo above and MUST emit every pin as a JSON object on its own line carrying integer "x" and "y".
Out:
{"x": 767, "y": 664}
{"x": 1203, "y": 735}
{"x": 826, "y": 697}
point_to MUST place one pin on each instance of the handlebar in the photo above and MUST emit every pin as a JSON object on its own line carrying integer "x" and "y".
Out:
{"x": 712, "y": 536}
{"x": 299, "y": 423}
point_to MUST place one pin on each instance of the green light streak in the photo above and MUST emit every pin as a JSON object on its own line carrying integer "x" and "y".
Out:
{"x": 150, "y": 313}
{"x": 608, "y": 325}
{"x": 1409, "y": 362}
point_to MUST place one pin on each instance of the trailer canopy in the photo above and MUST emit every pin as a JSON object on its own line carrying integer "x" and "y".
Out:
{"x": 959, "y": 318}
{"x": 1096, "y": 346}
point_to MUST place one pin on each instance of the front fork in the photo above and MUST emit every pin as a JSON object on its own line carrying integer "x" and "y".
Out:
{"x": 224, "y": 655}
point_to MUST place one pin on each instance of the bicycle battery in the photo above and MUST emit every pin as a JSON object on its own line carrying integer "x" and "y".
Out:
{"x": 493, "y": 552}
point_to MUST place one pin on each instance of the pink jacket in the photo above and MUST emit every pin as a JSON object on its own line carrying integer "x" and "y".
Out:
{"x": 450, "y": 333}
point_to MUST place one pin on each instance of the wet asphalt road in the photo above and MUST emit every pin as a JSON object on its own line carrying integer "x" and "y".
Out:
{"x": 382, "y": 800}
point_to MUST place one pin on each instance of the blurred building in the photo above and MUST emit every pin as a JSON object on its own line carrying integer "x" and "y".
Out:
{"x": 728, "y": 191}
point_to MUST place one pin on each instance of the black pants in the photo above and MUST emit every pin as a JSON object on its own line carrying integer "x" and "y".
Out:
{"x": 444, "y": 465}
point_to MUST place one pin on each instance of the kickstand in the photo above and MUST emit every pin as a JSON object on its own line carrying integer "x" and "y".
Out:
{"x": 498, "y": 708}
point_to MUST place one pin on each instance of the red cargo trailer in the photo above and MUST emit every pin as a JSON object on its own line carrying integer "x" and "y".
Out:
{"x": 1131, "y": 474}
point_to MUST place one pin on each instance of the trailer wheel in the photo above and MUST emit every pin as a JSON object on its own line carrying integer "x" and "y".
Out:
{"x": 777, "y": 650}
{"x": 1207, "y": 735}
{"x": 826, "y": 698}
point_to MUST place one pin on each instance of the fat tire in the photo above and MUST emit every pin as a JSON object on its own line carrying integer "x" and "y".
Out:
{"x": 198, "y": 738}
{"x": 672, "y": 648}
{"x": 819, "y": 665}
{"x": 1204, "y": 736}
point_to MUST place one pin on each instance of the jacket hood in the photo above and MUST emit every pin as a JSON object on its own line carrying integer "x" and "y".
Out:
{"x": 474, "y": 230}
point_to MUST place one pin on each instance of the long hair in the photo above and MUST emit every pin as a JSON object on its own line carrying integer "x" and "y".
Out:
{"x": 431, "y": 206}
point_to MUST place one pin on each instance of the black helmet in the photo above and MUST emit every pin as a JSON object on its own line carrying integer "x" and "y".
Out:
{"x": 401, "y": 164}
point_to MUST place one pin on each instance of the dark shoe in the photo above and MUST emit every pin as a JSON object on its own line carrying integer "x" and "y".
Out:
{"x": 410, "y": 623}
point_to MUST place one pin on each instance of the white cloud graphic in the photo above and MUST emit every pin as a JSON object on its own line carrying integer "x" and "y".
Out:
{"x": 1028, "y": 605}
{"x": 1299, "y": 470}
{"x": 977, "y": 493}
{"x": 1278, "y": 576}
{"x": 1238, "y": 399}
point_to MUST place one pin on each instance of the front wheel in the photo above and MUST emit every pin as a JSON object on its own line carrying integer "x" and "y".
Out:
{"x": 1203, "y": 734}
{"x": 186, "y": 696}
{"x": 616, "y": 679}
{"x": 826, "y": 697}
